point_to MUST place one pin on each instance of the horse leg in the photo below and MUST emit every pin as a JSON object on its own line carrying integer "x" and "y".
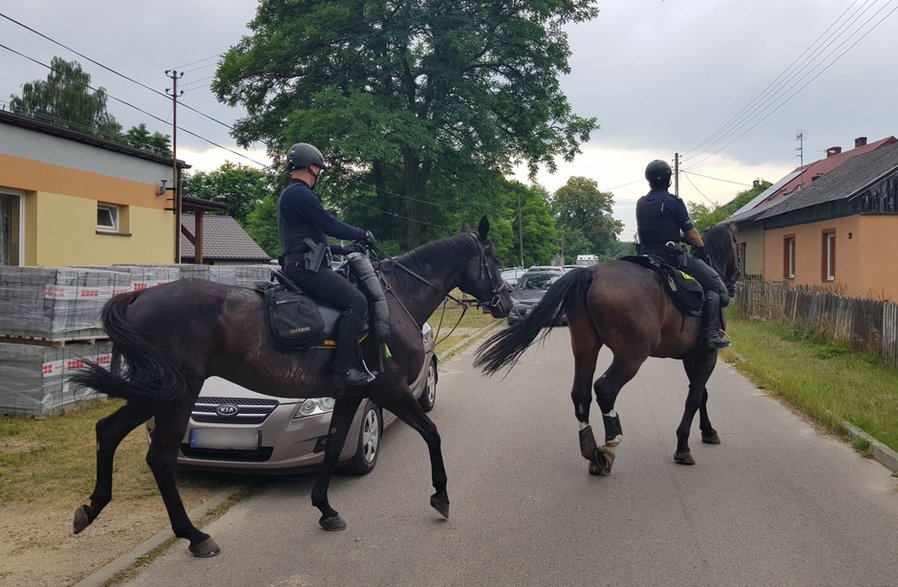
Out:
{"x": 404, "y": 405}
{"x": 709, "y": 434}
{"x": 698, "y": 369}
{"x": 110, "y": 431}
{"x": 586, "y": 346}
{"x": 162, "y": 457}
{"x": 344, "y": 410}
{"x": 606, "y": 389}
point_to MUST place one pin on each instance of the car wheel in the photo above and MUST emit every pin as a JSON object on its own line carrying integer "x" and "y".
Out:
{"x": 429, "y": 395}
{"x": 368, "y": 448}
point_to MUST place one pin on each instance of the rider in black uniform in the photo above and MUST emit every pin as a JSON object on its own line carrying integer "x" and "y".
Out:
{"x": 303, "y": 226}
{"x": 662, "y": 218}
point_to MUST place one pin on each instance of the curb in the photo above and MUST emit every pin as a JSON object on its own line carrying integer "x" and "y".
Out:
{"x": 473, "y": 338}
{"x": 100, "y": 577}
{"x": 885, "y": 455}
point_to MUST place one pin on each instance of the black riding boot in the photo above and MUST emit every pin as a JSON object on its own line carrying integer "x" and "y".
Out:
{"x": 348, "y": 368}
{"x": 711, "y": 322}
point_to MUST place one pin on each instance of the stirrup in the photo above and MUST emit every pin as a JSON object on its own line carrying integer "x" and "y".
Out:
{"x": 353, "y": 376}
{"x": 718, "y": 342}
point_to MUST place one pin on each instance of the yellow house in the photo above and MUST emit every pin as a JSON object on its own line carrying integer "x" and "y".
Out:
{"x": 72, "y": 199}
{"x": 840, "y": 233}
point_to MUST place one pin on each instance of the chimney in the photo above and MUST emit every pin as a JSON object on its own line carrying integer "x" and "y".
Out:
{"x": 860, "y": 142}
{"x": 833, "y": 151}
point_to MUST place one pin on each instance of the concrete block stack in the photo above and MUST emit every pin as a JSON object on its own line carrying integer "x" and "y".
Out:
{"x": 34, "y": 378}
{"x": 50, "y": 323}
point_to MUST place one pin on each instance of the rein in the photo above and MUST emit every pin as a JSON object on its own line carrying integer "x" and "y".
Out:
{"x": 464, "y": 304}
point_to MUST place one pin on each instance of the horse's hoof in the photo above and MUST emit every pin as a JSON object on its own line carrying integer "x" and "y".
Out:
{"x": 602, "y": 460}
{"x": 684, "y": 458}
{"x": 205, "y": 549}
{"x": 333, "y": 523}
{"x": 713, "y": 439}
{"x": 82, "y": 520}
{"x": 440, "y": 505}
{"x": 614, "y": 440}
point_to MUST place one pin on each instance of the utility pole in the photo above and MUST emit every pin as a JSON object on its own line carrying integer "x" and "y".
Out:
{"x": 676, "y": 174}
{"x": 799, "y": 136}
{"x": 520, "y": 232}
{"x": 176, "y": 185}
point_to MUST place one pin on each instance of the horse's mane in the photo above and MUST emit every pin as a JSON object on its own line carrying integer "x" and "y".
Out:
{"x": 719, "y": 241}
{"x": 436, "y": 253}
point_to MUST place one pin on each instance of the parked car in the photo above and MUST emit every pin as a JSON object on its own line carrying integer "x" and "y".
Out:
{"x": 234, "y": 429}
{"x": 511, "y": 275}
{"x": 530, "y": 290}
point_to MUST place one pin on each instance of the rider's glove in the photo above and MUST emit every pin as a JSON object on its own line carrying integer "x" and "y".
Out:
{"x": 370, "y": 240}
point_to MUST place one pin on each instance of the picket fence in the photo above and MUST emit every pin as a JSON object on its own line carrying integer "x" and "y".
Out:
{"x": 867, "y": 325}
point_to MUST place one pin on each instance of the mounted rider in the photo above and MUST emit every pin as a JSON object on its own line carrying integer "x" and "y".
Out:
{"x": 303, "y": 227}
{"x": 662, "y": 222}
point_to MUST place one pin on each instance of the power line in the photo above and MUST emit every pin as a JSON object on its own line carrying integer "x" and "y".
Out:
{"x": 768, "y": 99}
{"x": 141, "y": 110}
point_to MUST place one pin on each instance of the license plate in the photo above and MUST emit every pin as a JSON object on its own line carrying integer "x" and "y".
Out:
{"x": 224, "y": 438}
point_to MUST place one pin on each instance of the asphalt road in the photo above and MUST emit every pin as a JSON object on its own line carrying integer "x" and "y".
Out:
{"x": 777, "y": 503}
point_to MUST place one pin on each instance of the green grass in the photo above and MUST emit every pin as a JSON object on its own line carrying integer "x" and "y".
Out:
{"x": 821, "y": 379}
{"x": 54, "y": 458}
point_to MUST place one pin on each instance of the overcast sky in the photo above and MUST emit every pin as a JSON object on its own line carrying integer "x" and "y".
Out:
{"x": 726, "y": 83}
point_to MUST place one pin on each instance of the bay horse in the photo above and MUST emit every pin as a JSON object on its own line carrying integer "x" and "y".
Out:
{"x": 167, "y": 340}
{"x": 624, "y": 306}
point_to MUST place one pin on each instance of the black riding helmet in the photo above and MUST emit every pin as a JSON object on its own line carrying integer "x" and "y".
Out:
{"x": 658, "y": 174}
{"x": 303, "y": 155}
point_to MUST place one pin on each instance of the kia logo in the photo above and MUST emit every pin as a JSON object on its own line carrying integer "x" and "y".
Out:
{"x": 227, "y": 410}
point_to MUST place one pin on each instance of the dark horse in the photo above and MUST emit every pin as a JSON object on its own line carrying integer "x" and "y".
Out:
{"x": 625, "y": 307}
{"x": 174, "y": 336}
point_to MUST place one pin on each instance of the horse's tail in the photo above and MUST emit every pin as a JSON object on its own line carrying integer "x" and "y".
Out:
{"x": 506, "y": 347}
{"x": 150, "y": 373}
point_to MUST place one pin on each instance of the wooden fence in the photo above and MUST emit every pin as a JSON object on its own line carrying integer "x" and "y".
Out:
{"x": 870, "y": 326}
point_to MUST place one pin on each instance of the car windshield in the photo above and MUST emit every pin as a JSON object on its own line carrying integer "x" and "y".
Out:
{"x": 537, "y": 281}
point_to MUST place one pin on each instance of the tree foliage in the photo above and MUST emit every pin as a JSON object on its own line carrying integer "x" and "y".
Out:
{"x": 412, "y": 101}
{"x": 67, "y": 100}
{"x": 237, "y": 186}
{"x": 140, "y": 137}
{"x": 584, "y": 214}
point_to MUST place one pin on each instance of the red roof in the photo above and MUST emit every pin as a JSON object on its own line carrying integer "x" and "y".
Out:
{"x": 811, "y": 171}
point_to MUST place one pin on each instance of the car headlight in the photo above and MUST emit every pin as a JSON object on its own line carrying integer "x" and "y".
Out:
{"x": 314, "y": 406}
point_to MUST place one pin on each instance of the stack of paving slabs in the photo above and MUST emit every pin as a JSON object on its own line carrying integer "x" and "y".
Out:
{"x": 34, "y": 378}
{"x": 56, "y": 304}
{"x": 50, "y": 323}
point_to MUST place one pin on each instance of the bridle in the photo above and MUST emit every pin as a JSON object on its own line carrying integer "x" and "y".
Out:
{"x": 465, "y": 304}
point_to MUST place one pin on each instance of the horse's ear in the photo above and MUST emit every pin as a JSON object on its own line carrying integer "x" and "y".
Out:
{"x": 465, "y": 227}
{"x": 484, "y": 228}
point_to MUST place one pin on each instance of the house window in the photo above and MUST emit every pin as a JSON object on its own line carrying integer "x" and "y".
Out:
{"x": 107, "y": 218}
{"x": 829, "y": 255}
{"x": 10, "y": 229}
{"x": 789, "y": 256}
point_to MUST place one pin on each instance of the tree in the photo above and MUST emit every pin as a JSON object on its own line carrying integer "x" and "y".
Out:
{"x": 141, "y": 138}
{"x": 581, "y": 209}
{"x": 704, "y": 216}
{"x": 407, "y": 94}
{"x": 67, "y": 100}
{"x": 237, "y": 186}
{"x": 262, "y": 225}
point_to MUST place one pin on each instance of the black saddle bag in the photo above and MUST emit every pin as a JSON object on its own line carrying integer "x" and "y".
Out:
{"x": 293, "y": 319}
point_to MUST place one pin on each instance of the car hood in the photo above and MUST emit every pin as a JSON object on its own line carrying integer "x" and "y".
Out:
{"x": 528, "y": 296}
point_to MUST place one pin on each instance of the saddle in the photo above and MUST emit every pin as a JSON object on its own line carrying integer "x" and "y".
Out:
{"x": 687, "y": 293}
{"x": 297, "y": 320}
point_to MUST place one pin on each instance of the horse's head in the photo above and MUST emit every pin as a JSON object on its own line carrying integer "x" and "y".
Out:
{"x": 720, "y": 242}
{"x": 481, "y": 276}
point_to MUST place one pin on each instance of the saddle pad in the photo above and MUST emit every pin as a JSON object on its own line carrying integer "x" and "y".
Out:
{"x": 685, "y": 291}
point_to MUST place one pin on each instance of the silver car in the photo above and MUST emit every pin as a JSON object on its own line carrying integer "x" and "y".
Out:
{"x": 234, "y": 429}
